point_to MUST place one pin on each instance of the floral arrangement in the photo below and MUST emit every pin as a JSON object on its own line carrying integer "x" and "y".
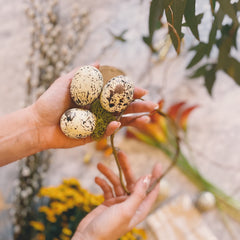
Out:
{"x": 167, "y": 131}
{"x": 61, "y": 208}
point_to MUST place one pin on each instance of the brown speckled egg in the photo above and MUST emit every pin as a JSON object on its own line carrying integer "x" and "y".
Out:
{"x": 86, "y": 85}
{"x": 78, "y": 123}
{"x": 117, "y": 94}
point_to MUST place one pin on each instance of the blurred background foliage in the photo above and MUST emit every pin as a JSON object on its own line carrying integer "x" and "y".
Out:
{"x": 177, "y": 14}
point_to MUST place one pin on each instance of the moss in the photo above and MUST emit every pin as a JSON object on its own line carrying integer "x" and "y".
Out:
{"x": 103, "y": 119}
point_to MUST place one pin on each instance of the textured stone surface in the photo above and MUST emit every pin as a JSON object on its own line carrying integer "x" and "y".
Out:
{"x": 214, "y": 128}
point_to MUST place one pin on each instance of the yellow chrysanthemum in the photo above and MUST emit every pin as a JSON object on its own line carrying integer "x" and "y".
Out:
{"x": 37, "y": 226}
{"x": 67, "y": 231}
{"x": 72, "y": 182}
{"x": 58, "y": 208}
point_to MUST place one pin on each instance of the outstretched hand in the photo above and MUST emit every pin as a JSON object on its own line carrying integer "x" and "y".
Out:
{"x": 119, "y": 213}
{"x": 56, "y": 100}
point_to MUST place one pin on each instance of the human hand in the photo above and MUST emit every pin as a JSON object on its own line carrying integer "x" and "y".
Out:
{"x": 119, "y": 213}
{"x": 47, "y": 111}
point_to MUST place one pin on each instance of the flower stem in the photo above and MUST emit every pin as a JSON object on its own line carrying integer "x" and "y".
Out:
{"x": 118, "y": 164}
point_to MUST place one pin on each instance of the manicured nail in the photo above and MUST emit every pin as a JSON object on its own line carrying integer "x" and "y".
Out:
{"x": 156, "y": 107}
{"x": 118, "y": 124}
{"x": 146, "y": 181}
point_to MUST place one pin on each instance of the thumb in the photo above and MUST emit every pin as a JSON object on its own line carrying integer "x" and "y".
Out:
{"x": 138, "y": 195}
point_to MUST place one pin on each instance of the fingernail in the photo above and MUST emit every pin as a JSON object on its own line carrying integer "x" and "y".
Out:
{"x": 156, "y": 107}
{"x": 146, "y": 181}
{"x": 145, "y": 119}
{"x": 118, "y": 124}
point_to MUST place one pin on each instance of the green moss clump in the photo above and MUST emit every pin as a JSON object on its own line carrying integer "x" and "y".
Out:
{"x": 103, "y": 119}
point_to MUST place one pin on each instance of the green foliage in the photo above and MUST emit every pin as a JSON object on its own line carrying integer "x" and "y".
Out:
{"x": 221, "y": 37}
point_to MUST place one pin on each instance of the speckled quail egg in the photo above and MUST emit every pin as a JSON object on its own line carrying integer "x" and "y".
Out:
{"x": 117, "y": 94}
{"x": 78, "y": 123}
{"x": 86, "y": 85}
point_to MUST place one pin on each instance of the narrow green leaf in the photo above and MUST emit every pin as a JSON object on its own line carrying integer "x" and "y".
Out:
{"x": 191, "y": 19}
{"x": 212, "y": 3}
{"x": 156, "y": 12}
{"x": 227, "y": 41}
{"x": 217, "y": 24}
{"x": 199, "y": 19}
{"x": 199, "y": 72}
{"x": 210, "y": 78}
{"x": 232, "y": 68}
{"x": 228, "y": 8}
{"x": 174, "y": 13}
{"x": 147, "y": 40}
{"x": 201, "y": 50}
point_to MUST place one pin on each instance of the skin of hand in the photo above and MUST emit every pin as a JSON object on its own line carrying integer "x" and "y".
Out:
{"x": 36, "y": 127}
{"x": 119, "y": 213}
{"x": 48, "y": 109}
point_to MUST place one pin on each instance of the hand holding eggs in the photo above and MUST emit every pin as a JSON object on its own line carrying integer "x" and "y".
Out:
{"x": 104, "y": 102}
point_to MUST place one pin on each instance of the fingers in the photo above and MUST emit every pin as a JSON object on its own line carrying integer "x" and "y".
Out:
{"x": 113, "y": 178}
{"x": 141, "y": 106}
{"x": 127, "y": 170}
{"x": 139, "y": 92}
{"x": 132, "y": 204}
{"x": 107, "y": 190}
{"x": 137, "y": 122}
{"x": 156, "y": 172}
{"x": 114, "y": 201}
{"x": 111, "y": 128}
{"x": 145, "y": 207}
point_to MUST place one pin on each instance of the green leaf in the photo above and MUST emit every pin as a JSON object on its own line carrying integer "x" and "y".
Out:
{"x": 199, "y": 19}
{"x": 237, "y": 6}
{"x": 191, "y": 19}
{"x": 210, "y": 77}
{"x": 217, "y": 24}
{"x": 201, "y": 50}
{"x": 212, "y": 3}
{"x": 225, "y": 44}
{"x": 156, "y": 12}
{"x": 147, "y": 40}
{"x": 174, "y": 14}
{"x": 154, "y": 22}
{"x": 119, "y": 37}
{"x": 232, "y": 68}
{"x": 199, "y": 72}
{"x": 228, "y": 8}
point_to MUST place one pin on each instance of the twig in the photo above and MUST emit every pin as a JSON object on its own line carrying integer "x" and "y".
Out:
{"x": 118, "y": 164}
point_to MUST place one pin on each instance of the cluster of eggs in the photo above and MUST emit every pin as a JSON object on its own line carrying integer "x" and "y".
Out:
{"x": 103, "y": 102}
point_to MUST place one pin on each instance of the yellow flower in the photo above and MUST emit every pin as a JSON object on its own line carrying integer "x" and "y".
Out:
{"x": 44, "y": 209}
{"x": 51, "y": 218}
{"x": 58, "y": 208}
{"x": 49, "y": 213}
{"x": 72, "y": 182}
{"x": 86, "y": 208}
{"x": 67, "y": 231}
{"x": 40, "y": 236}
{"x": 37, "y": 226}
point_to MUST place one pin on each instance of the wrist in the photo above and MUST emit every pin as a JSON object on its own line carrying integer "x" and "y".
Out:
{"x": 39, "y": 143}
